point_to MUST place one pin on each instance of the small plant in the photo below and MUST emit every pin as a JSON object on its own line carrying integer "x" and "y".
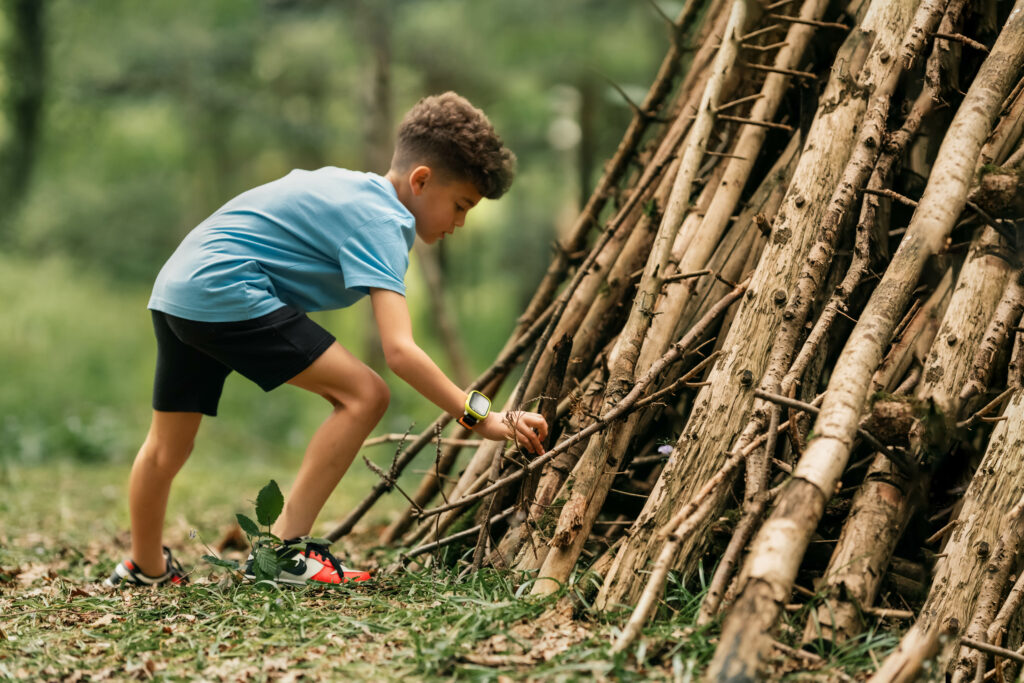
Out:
{"x": 266, "y": 564}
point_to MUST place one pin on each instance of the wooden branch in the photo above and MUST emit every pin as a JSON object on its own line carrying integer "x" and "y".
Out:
{"x": 778, "y": 70}
{"x": 982, "y": 412}
{"x": 1010, "y": 606}
{"x": 964, "y": 40}
{"x": 622, "y": 408}
{"x": 753, "y": 122}
{"x": 882, "y": 192}
{"x": 992, "y": 649}
{"x": 497, "y": 369}
{"x": 764, "y": 48}
{"x": 997, "y": 571}
{"x": 426, "y": 548}
{"x": 1007, "y": 313}
{"x": 396, "y": 438}
{"x": 761, "y": 31}
{"x": 808, "y": 22}
{"x": 742, "y": 100}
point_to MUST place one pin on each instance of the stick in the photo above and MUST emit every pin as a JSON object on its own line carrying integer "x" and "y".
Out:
{"x": 993, "y": 649}
{"x": 622, "y": 409}
{"x": 427, "y": 547}
{"x": 395, "y": 437}
{"x": 498, "y": 368}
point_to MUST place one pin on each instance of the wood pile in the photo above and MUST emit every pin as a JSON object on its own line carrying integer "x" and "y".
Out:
{"x": 803, "y": 265}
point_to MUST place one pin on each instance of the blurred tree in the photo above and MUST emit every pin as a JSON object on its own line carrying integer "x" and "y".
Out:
{"x": 24, "y": 81}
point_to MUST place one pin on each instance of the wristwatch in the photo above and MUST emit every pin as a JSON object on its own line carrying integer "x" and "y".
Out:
{"x": 477, "y": 408}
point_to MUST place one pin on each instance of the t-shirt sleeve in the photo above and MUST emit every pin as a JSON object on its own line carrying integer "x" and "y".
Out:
{"x": 375, "y": 255}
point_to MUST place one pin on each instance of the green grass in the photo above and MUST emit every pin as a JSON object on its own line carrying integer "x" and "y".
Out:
{"x": 65, "y": 526}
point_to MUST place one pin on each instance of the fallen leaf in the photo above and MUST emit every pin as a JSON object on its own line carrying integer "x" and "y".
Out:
{"x": 33, "y": 572}
{"x": 105, "y": 620}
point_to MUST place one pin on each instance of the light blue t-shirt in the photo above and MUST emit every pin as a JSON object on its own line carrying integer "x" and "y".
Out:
{"x": 315, "y": 240}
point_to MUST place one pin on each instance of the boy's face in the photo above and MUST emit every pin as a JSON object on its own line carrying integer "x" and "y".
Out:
{"x": 439, "y": 204}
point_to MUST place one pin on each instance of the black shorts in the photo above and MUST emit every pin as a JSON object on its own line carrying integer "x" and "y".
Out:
{"x": 194, "y": 358}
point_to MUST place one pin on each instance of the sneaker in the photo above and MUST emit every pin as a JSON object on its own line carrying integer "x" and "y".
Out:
{"x": 128, "y": 573}
{"x": 309, "y": 563}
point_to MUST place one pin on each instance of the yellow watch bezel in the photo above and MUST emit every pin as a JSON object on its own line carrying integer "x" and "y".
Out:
{"x": 470, "y": 417}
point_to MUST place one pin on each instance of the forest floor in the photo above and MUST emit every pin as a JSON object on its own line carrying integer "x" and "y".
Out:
{"x": 64, "y": 527}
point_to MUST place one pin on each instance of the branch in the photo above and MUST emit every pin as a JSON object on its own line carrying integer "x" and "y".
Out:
{"x": 626, "y": 406}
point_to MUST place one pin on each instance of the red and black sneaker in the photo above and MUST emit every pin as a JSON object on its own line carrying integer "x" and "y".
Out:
{"x": 304, "y": 562}
{"x": 128, "y": 573}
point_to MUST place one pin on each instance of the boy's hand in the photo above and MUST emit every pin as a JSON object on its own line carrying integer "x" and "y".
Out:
{"x": 530, "y": 429}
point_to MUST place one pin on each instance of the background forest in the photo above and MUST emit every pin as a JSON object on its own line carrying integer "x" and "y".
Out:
{"x": 124, "y": 124}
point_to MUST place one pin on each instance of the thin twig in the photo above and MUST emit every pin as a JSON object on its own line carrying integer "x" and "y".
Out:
{"x": 992, "y": 649}
{"x": 426, "y": 548}
{"x": 808, "y": 22}
{"x": 960, "y": 38}
{"x": 753, "y": 122}
{"x": 395, "y": 437}
{"x": 891, "y": 195}
{"x": 986, "y": 409}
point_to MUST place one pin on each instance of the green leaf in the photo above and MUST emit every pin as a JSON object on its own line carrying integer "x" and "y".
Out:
{"x": 317, "y": 541}
{"x": 216, "y": 561}
{"x": 269, "y": 504}
{"x": 266, "y": 564}
{"x": 248, "y": 526}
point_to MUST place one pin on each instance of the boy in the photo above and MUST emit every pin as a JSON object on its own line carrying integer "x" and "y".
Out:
{"x": 233, "y": 296}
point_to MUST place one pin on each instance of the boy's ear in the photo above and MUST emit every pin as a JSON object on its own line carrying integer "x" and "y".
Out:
{"x": 418, "y": 179}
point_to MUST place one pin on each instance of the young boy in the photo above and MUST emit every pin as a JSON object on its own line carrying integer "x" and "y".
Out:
{"x": 235, "y": 293}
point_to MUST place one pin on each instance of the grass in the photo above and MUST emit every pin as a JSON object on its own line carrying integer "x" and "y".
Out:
{"x": 65, "y": 528}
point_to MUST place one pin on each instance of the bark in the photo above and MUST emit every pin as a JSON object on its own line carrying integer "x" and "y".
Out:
{"x": 722, "y": 407}
{"x": 995, "y": 488}
{"x": 779, "y": 547}
{"x": 997, "y": 574}
{"x": 885, "y": 501}
{"x": 1001, "y": 321}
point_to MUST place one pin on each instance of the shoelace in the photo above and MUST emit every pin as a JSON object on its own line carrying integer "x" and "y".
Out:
{"x": 175, "y": 567}
{"x": 325, "y": 554}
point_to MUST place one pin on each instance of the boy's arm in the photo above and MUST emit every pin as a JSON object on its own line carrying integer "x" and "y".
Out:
{"x": 412, "y": 364}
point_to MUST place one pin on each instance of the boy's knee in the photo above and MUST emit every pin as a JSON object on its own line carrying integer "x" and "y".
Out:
{"x": 167, "y": 454}
{"x": 368, "y": 395}
{"x": 376, "y": 395}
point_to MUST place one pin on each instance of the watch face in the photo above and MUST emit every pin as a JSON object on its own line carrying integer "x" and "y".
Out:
{"x": 479, "y": 404}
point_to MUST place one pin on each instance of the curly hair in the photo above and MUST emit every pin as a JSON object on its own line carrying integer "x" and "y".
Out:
{"x": 452, "y": 136}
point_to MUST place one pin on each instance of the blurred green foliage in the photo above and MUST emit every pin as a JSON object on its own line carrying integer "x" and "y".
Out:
{"x": 153, "y": 114}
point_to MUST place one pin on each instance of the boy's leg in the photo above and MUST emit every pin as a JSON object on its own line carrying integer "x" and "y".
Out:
{"x": 359, "y": 397}
{"x": 165, "y": 450}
